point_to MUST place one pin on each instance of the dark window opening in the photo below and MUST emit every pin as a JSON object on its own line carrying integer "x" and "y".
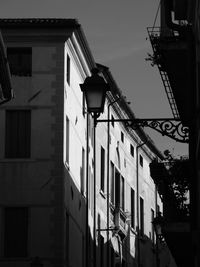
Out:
{"x": 15, "y": 232}
{"x": 20, "y": 60}
{"x": 152, "y": 228}
{"x": 157, "y": 209}
{"x": 83, "y": 172}
{"x": 102, "y": 169}
{"x": 112, "y": 122}
{"x": 68, "y": 69}
{"x": 141, "y": 216}
{"x": 122, "y": 193}
{"x": 112, "y": 182}
{"x": 122, "y": 137}
{"x": 101, "y": 251}
{"x": 18, "y": 134}
{"x": 132, "y": 208}
{"x": 67, "y": 140}
{"x": 132, "y": 150}
{"x": 141, "y": 161}
{"x": 117, "y": 189}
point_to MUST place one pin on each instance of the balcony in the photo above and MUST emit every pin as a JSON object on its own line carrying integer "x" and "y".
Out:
{"x": 173, "y": 182}
{"x": 172, "y": 53}
{"x": 119, "y": 218}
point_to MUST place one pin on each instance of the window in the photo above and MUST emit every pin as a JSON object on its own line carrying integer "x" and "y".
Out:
{"x": 152, "y": 229}
{"x": 141, "y": 161}
{"x": 20, "y": 60}
{"x": 112, "y": 182}
{"x": 122, "y": 137}
{"x": 18, "y": 134}
{"x": 141, "y": 216}
{"x": 132, "y": 208}
{"x": 157, "y": 209}
{"x": 122, "y": 193}
{"x": 112, "y": 252}
{"x": 102, "y": 185}
{"x": 132, "y": 150}
{"x": 68, "y": 69}
{"x": 67, "y": 238}
{"x": 83, "y": 172}
{"x": 112, "y": 122}
{"x": 83, "y": 105}
{"x": 67, "y": 140}
{"x": 101, "y": 251}
{"x": 117, "y": 189}
{"x": 15, "y": 232}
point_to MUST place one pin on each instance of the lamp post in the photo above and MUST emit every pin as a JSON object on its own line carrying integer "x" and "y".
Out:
{"x": 158, "y": 224}
{"x": 94, "y": 89}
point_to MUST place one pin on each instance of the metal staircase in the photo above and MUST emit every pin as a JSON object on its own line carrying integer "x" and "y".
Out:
{"x": 154, "y": 36}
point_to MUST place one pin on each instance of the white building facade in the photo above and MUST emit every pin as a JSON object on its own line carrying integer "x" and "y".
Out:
{"x": 50, "y": 213}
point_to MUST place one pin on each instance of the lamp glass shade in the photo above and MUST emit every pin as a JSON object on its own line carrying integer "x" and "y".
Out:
{"x": 158, "y": 229}
{"x": 95, "y": 99}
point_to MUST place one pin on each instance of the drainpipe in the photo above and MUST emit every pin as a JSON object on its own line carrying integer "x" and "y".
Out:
{"x": 156, "y": 209}
{"x": 87, "y": 193}
{"x": 108, "y": 176}
{"x": 138, "y": 199}
{"x": 94, "y": 177}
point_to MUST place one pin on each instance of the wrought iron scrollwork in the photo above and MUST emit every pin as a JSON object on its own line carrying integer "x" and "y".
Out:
{"x": 172, "y": 128}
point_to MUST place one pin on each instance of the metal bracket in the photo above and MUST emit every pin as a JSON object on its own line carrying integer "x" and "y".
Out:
{"x": 172, "y": 128}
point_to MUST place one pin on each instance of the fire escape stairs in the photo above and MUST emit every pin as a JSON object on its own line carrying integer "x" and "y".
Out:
{"x": 152, "y": 35}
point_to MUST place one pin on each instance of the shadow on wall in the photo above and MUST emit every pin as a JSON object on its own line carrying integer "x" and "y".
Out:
{"x": 121, "y": 252}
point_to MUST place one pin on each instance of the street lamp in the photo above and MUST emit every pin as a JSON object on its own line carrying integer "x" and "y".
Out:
{"x": 95, "y": 88}
{"x": 158, "y": 224}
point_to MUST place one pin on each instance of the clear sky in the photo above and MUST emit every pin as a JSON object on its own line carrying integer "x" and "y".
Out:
{"x": 116, "y": 33}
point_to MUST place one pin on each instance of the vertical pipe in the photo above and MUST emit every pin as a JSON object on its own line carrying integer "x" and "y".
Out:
{"x": 108, "y": 182}
{"x": 94, "y": 168}
{"x": 138, "y": 199}
{"x": 156, "y": 209}
{"x": 87, "y": 192}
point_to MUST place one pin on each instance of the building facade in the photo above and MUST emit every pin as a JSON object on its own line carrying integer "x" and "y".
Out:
{"x": 69, "y": 197}
{"x": 177, "y": 54}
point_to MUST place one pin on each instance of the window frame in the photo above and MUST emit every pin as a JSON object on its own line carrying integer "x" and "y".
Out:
{"x": 132, "y": 150}
{"x": 68, "y": 71}
{"x": 132, "y": 208}
{"x": 141, "y": 160}
{"x": 122, "y": 137}
{"x": 102, "y": 169}
{"x": 67, "y": 139}
{"x": 8, "y": 242}
{"x": 23, "y": 61}
{"x": 141, "y": 216}
{"x": 17, "y": 123}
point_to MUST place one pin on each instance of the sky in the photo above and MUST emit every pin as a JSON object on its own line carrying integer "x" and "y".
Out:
{"x": 116, "y": 31}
